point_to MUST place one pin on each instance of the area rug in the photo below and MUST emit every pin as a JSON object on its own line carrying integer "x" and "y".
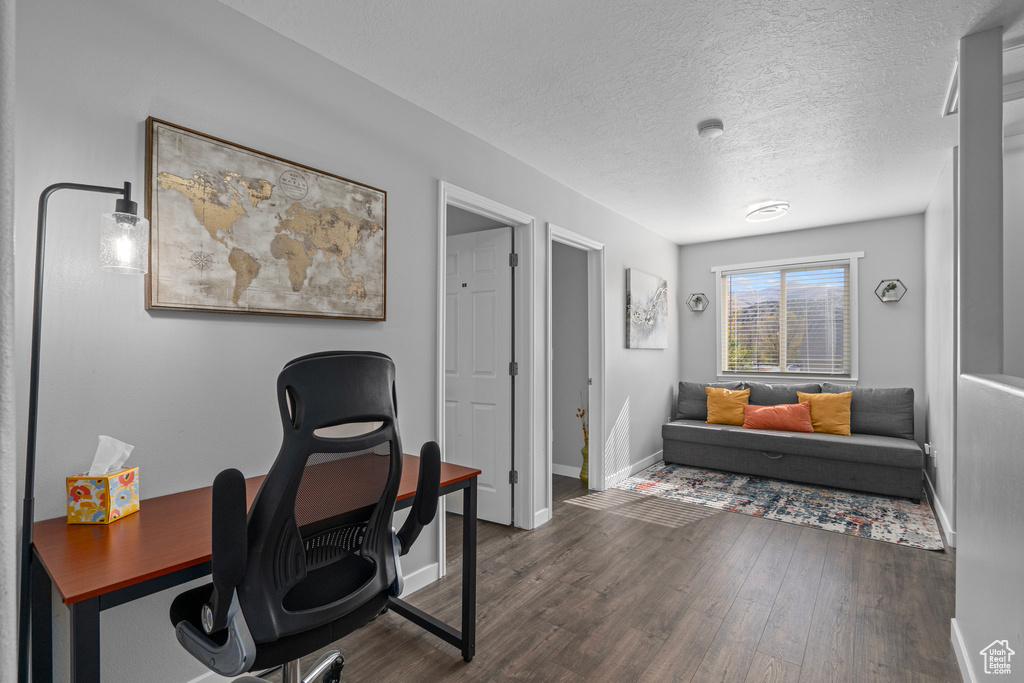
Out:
{"x": 882, "y": 518}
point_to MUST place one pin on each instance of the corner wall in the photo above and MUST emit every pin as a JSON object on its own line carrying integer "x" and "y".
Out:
{"x": 1013, "y": 255}
{"x": 194, "y": 392}
{"x": 8, "y": 442}
{"x": 940, "y": 352}
{"x": 990, "y": 550}
{"x": 891, "y": 335}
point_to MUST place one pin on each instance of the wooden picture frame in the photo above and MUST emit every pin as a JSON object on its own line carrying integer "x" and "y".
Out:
{"x": 235, "y": 230}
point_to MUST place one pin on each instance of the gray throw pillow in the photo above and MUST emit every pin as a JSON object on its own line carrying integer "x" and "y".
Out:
{"x": 762, "y": 394}
{"x": 692, "y": 402}
{"x": 883, "y": 412}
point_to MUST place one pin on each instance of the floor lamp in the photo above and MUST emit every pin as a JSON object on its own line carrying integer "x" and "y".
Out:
{"x": 124, "y": 249}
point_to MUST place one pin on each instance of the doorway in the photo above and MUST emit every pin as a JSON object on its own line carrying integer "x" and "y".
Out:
{"x": 570, "y": 360}
{"x": 584, "y": 260}
{"x": 526, "y": 439}
{"x": 479, "y": 359}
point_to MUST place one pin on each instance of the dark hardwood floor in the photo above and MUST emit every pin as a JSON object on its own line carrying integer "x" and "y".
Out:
{"x": 629, "y": 588}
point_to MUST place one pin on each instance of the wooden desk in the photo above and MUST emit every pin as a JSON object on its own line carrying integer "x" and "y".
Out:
{"x": 167, "y": 543}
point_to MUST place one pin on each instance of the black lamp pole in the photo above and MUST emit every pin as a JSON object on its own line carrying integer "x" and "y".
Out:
{"x": 124, "y": 205}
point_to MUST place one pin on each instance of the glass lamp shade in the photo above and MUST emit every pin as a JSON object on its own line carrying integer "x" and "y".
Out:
{"x": 124, "y": 243}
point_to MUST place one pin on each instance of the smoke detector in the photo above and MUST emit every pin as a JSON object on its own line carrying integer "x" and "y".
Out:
{"x": 712, "y": 128}
{"x": 768, "y": 211}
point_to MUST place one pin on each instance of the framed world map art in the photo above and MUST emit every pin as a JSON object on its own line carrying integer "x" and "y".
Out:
{"x": 234, "y": 230}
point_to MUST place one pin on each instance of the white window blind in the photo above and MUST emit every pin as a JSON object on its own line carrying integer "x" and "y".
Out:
{"x": 792, "y": 319}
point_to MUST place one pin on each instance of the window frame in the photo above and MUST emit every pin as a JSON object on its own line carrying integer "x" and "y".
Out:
{"x": 852, "y": 258}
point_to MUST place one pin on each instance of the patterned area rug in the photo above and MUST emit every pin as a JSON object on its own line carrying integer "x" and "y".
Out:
{"x": 883, "y": 518}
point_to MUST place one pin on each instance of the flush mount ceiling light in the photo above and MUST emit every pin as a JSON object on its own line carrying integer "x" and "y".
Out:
{"x": 768, "y": 212}
{"x": 712, "y": 128}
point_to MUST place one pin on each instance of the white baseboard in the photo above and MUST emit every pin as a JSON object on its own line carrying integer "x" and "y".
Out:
{"x": 626, "y": 472}
{"x": 963, "y": 658}
{"x": 565, "y": 470}
{"x": 645, "y": 463}
{"x": 947, "y": 526}
{"x": 421, "y": 578}
{"x": 211, "y": 677}
{"x": 542, "y": 516}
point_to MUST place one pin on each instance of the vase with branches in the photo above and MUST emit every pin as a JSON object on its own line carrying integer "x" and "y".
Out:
{"x": 583, "y": 414}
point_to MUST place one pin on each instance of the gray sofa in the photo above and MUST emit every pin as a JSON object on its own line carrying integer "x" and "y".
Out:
{"x": 879, "y": 456}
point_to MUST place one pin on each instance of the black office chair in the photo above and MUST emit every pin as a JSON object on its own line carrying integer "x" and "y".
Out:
{"x": 316, "y": 557}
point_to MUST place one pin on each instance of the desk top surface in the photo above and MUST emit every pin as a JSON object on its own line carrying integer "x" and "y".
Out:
{"x": 167, "y": 534}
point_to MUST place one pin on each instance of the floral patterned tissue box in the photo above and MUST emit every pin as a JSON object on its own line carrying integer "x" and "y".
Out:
{"x": 104, "y": 498}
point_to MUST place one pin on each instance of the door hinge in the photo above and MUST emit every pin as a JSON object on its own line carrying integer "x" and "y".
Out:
{"x": 513, "y": 477}
{"x": 513, "y": 368}
{"x": 513, "y": 260}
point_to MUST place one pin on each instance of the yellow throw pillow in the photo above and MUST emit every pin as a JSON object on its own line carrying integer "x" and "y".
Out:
{"x": 830, "y": 413}
{"x": 725, "y": 406}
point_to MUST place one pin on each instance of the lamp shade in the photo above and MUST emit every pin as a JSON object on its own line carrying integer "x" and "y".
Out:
{"x": 124, "y": 243}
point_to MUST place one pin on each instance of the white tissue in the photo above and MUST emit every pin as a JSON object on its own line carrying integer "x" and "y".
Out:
{"x": 110, "y": 456}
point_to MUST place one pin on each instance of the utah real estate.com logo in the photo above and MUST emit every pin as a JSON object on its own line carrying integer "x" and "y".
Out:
{"x": 997, "y": 657}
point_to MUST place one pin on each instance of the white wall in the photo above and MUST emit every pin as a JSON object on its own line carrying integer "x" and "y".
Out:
{"x": 459, "y": 221}
{"x": 570, "y": 355}
{"x": 990, "y": 516}
{"x": 8, "y": 451}
{"x": 940, "y": 344}
{"x": 195, "y": 391}
{"x": 1013, "y": 255}
{"x": 891, "y": 335}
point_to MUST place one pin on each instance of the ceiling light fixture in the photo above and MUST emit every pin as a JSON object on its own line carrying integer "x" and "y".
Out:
{"x": 712, "y": 128}
{"x": 768, "y": 212}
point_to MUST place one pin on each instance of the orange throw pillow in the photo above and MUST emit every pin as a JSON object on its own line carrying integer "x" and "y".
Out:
{"x": 725, "y": 406}
{"x": 830, "y": 413}
{"x": 788, "y": 417}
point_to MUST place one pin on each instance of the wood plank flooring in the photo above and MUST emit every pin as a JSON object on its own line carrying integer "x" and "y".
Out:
{"x": 602, "y": 594}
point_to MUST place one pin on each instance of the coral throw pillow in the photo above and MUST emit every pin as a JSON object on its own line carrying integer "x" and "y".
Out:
{"x": 725, "y": 406}
{"x": 830, "y": 413}
{"x": 789, "y": 417}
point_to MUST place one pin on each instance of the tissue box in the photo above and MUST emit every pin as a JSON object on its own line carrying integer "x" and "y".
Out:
{"x": 103, "y": 498}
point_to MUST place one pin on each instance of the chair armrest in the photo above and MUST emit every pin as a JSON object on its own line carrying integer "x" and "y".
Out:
{"x": 229, "y": 546}
{"x": 424, "y": 505}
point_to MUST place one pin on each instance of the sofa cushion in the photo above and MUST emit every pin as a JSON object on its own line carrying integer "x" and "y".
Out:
{"x": 866, "y": 448}
{"x": 785, "y": 417}
{"x": 884, "y": 412}
{"x": 692, "y": 402}
{"x": 762, "y": 394}
{"x": 725, "y": 406}
{"x": 830, "y": 413}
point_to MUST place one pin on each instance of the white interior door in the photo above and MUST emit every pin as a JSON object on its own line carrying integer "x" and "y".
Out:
{"x": 478, "y": 350}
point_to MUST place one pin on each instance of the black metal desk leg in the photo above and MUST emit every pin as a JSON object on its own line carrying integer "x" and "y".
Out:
{"x": 42, "y": 624}
{"x": 469, "y": 571}
{"x": 85, "y": 641}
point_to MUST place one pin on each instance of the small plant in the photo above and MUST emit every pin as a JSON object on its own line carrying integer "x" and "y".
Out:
{"x": 891, "y": 287}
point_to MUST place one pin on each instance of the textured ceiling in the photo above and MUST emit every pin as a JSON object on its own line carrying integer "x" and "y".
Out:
{"x": 832, "y": 106}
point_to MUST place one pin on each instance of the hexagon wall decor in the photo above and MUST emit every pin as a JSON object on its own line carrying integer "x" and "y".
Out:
{"x": 697, "y": 302}
{"x": 890, "y": 291}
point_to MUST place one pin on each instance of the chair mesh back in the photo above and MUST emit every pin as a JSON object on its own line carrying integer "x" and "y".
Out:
{"x": 331, "y": 524}
{"x": 320, "y": 526}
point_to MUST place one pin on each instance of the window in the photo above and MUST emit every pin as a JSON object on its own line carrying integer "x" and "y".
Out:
{"x": 790, "y": 318}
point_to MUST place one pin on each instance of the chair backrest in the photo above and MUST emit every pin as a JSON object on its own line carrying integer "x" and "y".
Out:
{"x": 319, "y": 529}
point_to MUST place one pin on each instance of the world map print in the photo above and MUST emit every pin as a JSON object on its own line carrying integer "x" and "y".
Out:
{"x": 234, "y": 230}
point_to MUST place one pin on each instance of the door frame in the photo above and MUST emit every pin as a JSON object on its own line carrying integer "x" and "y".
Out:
{"x": 596, "y": 352}
{"x": 524, "y": 344}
